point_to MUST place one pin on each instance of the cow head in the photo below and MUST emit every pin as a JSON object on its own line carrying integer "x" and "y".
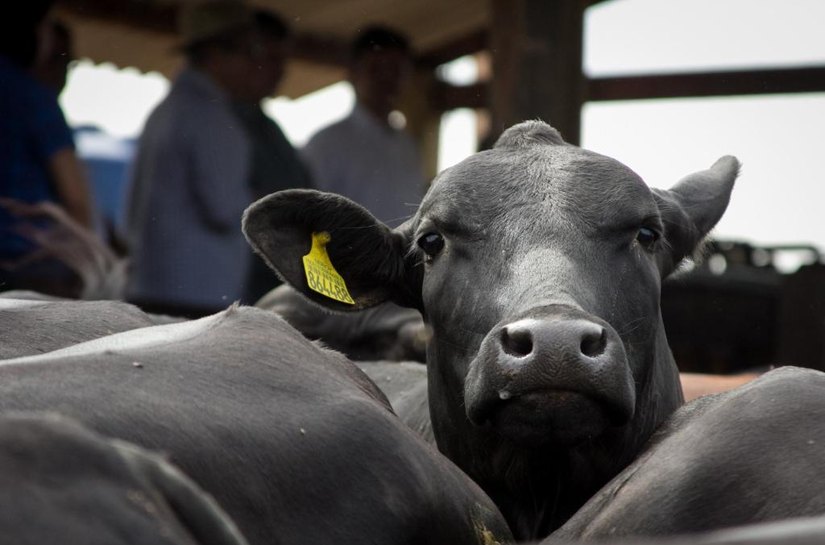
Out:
{"x": 537, "y": 265}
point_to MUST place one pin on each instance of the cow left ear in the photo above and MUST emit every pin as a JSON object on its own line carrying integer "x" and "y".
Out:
{"x": 692, "y": 207}
{"x": 330, "y": 249}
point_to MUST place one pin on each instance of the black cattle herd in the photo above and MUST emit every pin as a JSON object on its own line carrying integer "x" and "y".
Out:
{"x": 549, "y": 411}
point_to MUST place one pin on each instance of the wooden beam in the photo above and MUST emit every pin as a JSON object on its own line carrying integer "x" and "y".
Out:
{"x": 332, "y": 51}
{"x": 310, "y": 47}
{"x": 749, "y": 82}
{"x": 162, "y": 18}
{"x": 319, "y": 49}
{"x": 152, "y": 16}
{"x": 536, "y": 47}
{"x": 466, "y": 45}
{"x": 446, "y": 97}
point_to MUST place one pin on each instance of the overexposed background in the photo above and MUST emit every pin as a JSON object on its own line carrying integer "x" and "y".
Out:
{"x": 780, "y": 139}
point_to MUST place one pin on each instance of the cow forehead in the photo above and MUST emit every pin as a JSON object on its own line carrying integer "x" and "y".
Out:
{"x": 564, "y": 181}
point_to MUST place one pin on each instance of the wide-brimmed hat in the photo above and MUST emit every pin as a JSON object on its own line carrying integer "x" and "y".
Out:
{"x": 202, "y": 21}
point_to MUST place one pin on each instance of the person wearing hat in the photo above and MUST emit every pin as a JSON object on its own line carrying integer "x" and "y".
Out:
{"x": 189, "y": 184}
{"x": 276, "y": 164}
{"x": 368, "y": 156}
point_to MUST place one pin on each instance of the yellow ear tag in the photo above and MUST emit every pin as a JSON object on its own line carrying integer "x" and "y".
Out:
{"x": 321, "y": 275}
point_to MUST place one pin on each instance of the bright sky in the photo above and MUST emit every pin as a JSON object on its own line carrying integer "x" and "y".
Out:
{"x": 779, "y": 139}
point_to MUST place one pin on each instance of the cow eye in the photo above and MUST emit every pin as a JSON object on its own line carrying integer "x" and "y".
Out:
{"x": 431, "y": 244}
{"x": 647, "y": 237}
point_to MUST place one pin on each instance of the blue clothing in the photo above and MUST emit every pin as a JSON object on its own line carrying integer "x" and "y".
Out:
{"x": 32, "y": 130}
{"x": 189, "y": 189}
{"x": 107, "y": 160}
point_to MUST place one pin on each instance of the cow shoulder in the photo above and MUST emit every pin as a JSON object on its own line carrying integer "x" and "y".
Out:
{"x": 720, "y": 461}
{"x": 284, "y": 429}
{"x": 33, "y": 326}
{"x": 63, "y": 483}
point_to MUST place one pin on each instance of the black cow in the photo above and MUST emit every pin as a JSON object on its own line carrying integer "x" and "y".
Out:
{"x": 537, "y": 266}
{"x": 62, "y": 483}
{"x": 795, "y": 531}
{"x": 37, "y": 324}
{"x": 293, "y": 441}
{"x": 750, "y": 454}
{"x": 384, "y": 332}
{"x": 405, "y": 385}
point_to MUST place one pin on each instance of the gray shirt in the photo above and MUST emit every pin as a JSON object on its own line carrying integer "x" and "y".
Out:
{"x": 189, "y": 190}
{"x": 371, "y": 163}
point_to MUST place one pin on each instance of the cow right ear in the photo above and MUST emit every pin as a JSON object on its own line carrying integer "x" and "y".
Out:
{"x": 331, "y": 249}
{"x": 692, "y": 207}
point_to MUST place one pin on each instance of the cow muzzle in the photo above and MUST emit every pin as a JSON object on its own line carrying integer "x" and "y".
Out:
{"x": 554, "y": 374}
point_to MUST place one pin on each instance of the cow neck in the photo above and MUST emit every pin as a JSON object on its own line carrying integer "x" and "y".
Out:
{"x": 547, "y": 490}
{"x": 537, "y": 490}
{"x": 661, "y": 391}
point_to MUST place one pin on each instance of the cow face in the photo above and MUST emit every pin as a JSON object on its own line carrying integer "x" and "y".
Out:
{"x": 537, "y": 265}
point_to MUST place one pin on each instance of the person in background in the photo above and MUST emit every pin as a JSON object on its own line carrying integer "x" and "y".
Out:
{"x": 275, "y": 163}
{"x": 38, "y": 162}
{"x": 365, "y": 156}
{"x": 53, "y": 65}
{"x": 105, "y": 167}
{"x": 190, "y": 181}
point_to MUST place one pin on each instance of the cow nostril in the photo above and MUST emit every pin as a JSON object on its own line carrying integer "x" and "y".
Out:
{"x": 517, "y": 342}
{"x": 593, "y": 344}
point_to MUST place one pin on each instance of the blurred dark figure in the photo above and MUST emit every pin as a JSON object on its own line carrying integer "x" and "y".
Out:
{"x": 367, "y": 156}
{"x": 190, "y": 182}
{"x": 38, "y": 163}
{"x": 52, "y": 67}
{"x": 105, "y": 170}
{"x": 275, "y": 163}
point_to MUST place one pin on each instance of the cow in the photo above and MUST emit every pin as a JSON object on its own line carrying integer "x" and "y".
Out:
{"x": 31, "y": 323}
{"x": 396, "y": 379}
{"x": 405, "y": 385}
{"x": 384, "y": 332}
{"x": 537, "y": 266}
{"x": 741, "y": 456}
{"x": 62, "y": 483}
{"x": 294, "y": 442}
{"x": 794, "y": 531}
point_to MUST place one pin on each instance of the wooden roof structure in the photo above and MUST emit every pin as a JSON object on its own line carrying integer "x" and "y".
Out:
{"x": 142, "y": 33}
{"x": 535, "y": 48}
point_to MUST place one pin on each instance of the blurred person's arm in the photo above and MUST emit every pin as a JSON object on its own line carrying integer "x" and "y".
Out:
{"x": 54, "y": 144}
{"x": 71, "y": 185}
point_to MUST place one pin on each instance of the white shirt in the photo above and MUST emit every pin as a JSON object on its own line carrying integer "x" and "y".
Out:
{"x": 369, "y": 162}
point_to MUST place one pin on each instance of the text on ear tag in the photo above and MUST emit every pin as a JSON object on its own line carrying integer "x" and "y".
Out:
{"x": 321, "y": 275}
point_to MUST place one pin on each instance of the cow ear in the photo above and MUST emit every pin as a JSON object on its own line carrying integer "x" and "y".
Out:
{"x": 692, "y": 207}
{"x": 344, "y": 245}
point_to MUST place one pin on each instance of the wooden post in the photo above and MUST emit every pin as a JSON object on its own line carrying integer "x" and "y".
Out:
{"x": 537, "y": 63}
{"x": 802, "y": 319}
